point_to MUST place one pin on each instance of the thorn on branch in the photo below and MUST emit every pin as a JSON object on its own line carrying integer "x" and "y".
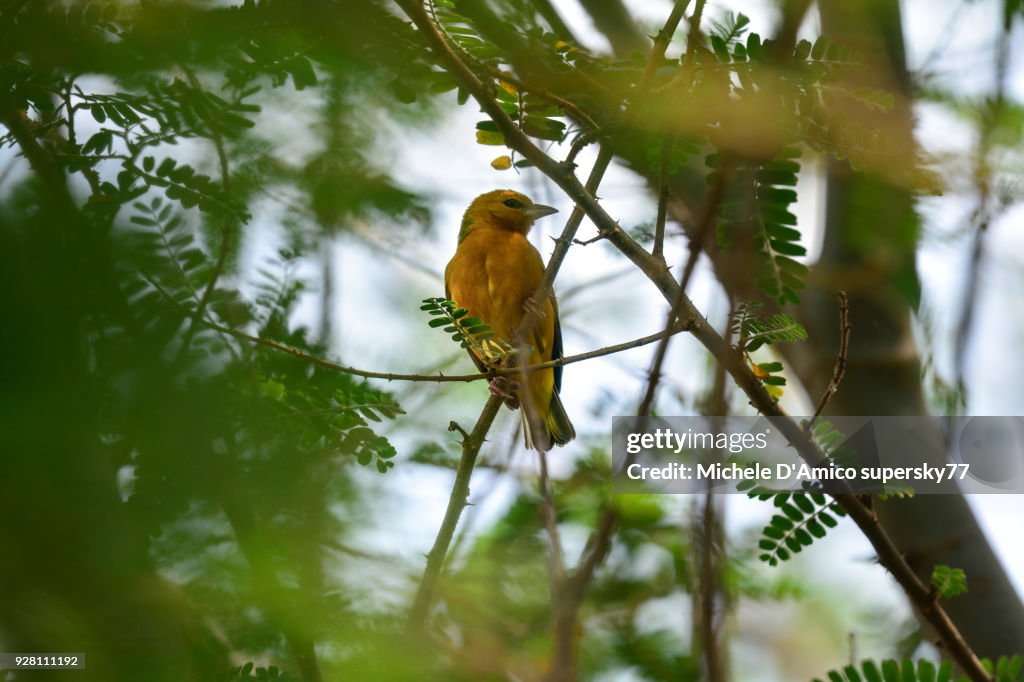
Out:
{"x": 454, "y": 426}
{"x": 565, "y": 168}
{"x": 601, "y": 234}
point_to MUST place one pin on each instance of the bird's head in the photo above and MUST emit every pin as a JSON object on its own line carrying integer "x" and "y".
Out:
{"x": 505, "y": 209}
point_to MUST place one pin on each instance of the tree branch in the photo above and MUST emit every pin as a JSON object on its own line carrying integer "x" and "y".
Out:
{"x": 225, "y": 237}
{"x": 556, "y": 560}
{"x": 840, "y": 369}
{"x": 658, "y": 250}
{"x": 456, "y": 503}
{"x": 986, "y": 210}
{"x": 439, "y": 378}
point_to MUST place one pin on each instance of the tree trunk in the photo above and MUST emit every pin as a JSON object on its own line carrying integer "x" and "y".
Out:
{"x": 871, "y": 236}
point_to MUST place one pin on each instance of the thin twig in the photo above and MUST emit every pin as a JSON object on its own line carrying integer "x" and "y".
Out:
{"x": 661, "y": 43}
{"x": 544, "y": 291}
{"x": 587, "y": 242}
{"x": 985, "y": 212}
{"x": 707, "y": 624}
{"x": 693, "y": 37}
{"x": 91, "y": 176}
{"x": 840, "y": 368}
{"x": 707, "y": 221}
{"x": 658, "y": 250}
{"x": 563, "y": 663}
{"x": 581, "y": 141}
{"x": 711, "y": 549}
{"x": 556, "y": 560}
{"x": 437, "y": 378}
{"x": 225, "y": 237}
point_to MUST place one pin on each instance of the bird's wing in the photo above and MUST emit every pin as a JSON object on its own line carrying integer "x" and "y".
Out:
{"x": 448, "y": 294}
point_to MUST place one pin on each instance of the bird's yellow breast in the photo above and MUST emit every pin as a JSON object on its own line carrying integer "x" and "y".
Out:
{"x": 493, "y": 273}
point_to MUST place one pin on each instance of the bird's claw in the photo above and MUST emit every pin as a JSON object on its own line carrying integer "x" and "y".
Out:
{"x": 506, "y": 389}
{"x": 531, "y": 308}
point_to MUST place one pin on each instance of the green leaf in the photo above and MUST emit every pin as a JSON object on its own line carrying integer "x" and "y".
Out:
{"x": 792, "y": 512}
{"x": 467, "y": 330}
{"x": 816, "y": 528}
{"x": 948, "y": 581}
{"x": 871, "y": 673}
{"x": 787, "y": 248}
{"x": 490, "y": 138}
{"x": 301, "y": 71}
{"x": 803, "y": 522}
{"x": 820, "y": 46}
{"x": 804, "y": 503}
{"x": 754, "y": 46}
{"x": 273, "y": 389}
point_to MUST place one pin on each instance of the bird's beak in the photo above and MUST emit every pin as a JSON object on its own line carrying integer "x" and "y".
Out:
{"x": 539, "y": 211}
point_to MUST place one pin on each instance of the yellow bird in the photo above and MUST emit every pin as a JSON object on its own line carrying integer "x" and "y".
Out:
{"x": 493, "y": 274}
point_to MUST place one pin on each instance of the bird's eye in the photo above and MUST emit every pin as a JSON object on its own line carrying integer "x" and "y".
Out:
{"x": 513, "y": 203}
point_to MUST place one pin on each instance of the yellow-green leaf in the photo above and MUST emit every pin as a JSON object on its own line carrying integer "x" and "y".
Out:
{"x": 490, "y": 137}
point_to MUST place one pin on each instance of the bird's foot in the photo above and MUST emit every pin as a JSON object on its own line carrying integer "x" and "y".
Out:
{"x": 531, "y": 307}
{"x": 506, "y": 389}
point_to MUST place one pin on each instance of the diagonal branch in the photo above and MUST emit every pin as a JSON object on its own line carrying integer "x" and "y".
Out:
{"x": 840, "y": 367}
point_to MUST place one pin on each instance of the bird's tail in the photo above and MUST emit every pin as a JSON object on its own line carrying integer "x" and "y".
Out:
{"x": 556, "y": 428}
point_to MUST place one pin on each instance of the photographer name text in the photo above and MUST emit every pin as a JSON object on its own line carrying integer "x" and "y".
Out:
{"x": 676, "y": 471}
